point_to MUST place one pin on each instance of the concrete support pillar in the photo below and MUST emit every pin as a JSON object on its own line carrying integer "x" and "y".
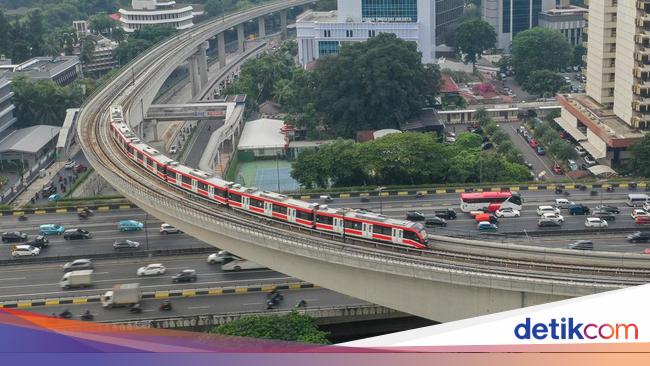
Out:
{"x": 221, "y": 48}
{"x": 154, "y": 125}
{"x": 203, "y": 64}
{"x": 261, "y": 26}
{"x": 195, "y": 78}
{"x": 283, "y": 23}
{"x": 241, "y": 37}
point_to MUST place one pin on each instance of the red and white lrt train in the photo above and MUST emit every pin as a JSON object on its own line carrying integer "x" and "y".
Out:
{"x": 341, "y": 221}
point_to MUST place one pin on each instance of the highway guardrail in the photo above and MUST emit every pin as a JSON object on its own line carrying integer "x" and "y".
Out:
{"x": 166, "y": 294}
{"x": 67, "y": 209}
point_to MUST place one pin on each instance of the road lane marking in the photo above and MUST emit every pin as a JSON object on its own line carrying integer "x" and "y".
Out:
{"x": 13, "y": 278}
{"x": 253, "y": 303}
{"x": 198, "y": 307}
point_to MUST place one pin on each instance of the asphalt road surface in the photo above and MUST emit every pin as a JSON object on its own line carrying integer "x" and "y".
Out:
{"x": 42, "y": 280}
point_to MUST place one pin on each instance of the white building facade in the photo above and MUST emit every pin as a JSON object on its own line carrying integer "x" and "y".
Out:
{"x": 570, "y": 21}
{"x": 144, "y": 13}
{"x": 509, "y": 17}
{"x": 322, "y": 33}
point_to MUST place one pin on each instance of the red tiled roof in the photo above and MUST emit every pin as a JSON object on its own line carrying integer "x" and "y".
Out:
{"x": 115, "y": 16}
{"x": 448, "y": 85}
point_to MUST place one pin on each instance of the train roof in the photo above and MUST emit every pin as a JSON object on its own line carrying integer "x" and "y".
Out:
{"x": 193, "y": 172}
{"x": 116, "y": 113}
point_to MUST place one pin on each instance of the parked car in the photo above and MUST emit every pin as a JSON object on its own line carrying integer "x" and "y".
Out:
{"x": 186, "y": 275}
{"x": 39, "y": 241}
{"x": 540, "y": 150}
{"x": 507, "y": 212}
{"x": 572, "y": 165}
{"x": 487, "y": 226}
{"x": 130, "y": 225}
{"x": 639, "y": 237}
{"x": 13, "y": 237}
{"x": 125, "y": 244}
{"x": 151, "y": 270}
{"x": 579, "y": 209}
{"x": 51, "y": 229}
{"x": 557, "y": 169}
{"x": 78, "y": 264}
{"x": 582, "y": 245}
{"x": 486, "y": 146}
{"x": 547, "y": 209}
{"x": 589, "y": 160}
{"x": 173, "y": 149}
{"x": 24, "y": 251}
{"x": 639, "y": 212}
{"x": 580, "y": 150}
{"x": 168, "y": 229}
{"x": 49, "y": 190}
{"x": 435, "y": 221}
{"x": 595, "y": 222}
{"x": 608, "y": 208}
{"x": 69, "y": 164}
{"x": 77, "y": 234}
{"x": 533, "y": 143}
{"x": 415, "y": 216}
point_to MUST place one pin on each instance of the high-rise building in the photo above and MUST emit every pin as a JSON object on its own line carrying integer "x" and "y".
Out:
{"x": 569, "y": 20}
{"x": 509, "y": 17}
{"x": 421, "y": 21}
{"x": 615, "y": 111}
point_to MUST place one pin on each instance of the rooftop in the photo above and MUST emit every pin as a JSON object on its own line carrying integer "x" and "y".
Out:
{"x": 262, "y": 133}
{"x": 319, "y": 17}
{"x": 569, "y": 10}
{"x": 603, "y": 122}
{"x": 30, "y": 139}
{"x": 47, "y": 64}
{"x": 448, "y": 85}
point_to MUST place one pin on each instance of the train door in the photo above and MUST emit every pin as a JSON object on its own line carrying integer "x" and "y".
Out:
{"x": 367, "y": 230}
{"x": 245, "y": 202}
{"x": 338, "y": 225}
{"x": 291, "y": 214}
{"x": 268, "y": 209}
{"x": 398, "y": 236}
{"x": 194, "y": 185}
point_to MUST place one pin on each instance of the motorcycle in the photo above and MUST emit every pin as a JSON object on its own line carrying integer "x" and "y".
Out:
{"x": 87, "y": 316}
{"x": 610, "y": 189}
{"x": 65, "y": 314}
{"x": 135, "y": 309}
{"x": 166, "y": 306}
{"x": 419, "y": 195}
{"x": 22, "y": 218}
{"x": 301, "y": 304}
{"x": 566, "y": 193}
{"x": 273, "y": 300}
{"x": 558, "y": 190}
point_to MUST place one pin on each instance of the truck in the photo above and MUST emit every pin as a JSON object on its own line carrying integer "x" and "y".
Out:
{"x": 240, "y": 264}
{"x": 82, "y": 278}
{"x": 121, "y": 295}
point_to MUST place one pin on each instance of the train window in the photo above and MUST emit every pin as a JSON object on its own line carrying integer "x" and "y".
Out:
{"x": 186, "y": 179}
{"x": 280, "y": 209}
{"x": 129, "y": 149}
{"x": 327, "y": 220}
{"x": 171, "y": 174}
{"x": 352, "y": 225}
{"x": 138, "y": 155}
{"x": 202, "y": 186}
{"x": 383, "y": 230}
{"x": 234, "y": 197}
{"x": 161, "y": 169}
{"x": 309, "y": 216}
{"x": 151, "y": 163}
{"x": 256, "y": 203}
{"x": 410, "y": 235}
{"x": 219, "y": 192}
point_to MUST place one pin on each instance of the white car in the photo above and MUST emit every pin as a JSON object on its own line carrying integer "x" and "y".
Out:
{"x": 173, "y": 149}
{"x": 25, "y": 250}
{"x": 168, "y": 229}
{"x": 563, "y": 203}
{"x": 152, "y": 270}
{"x": 639, "y": 212}
{"x": 220, "y": 257}
{"x": 553, "y": 217}
{"x": 595, "y": 222}
{"x": 507, "y": 212}
{"x": 646, "y": 206}
{"x": 581, "y": 151}
{"x": 241, "y": 264}
{"x": 589, "y": 160}
{"x": 547, "y": 209}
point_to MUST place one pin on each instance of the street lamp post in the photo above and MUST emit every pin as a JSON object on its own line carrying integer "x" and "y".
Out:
{"x": 381, "y": 203}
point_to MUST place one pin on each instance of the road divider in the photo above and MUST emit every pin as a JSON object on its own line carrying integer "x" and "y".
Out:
{"x": 214, "y": 291}
{"x": 68, "y": 209}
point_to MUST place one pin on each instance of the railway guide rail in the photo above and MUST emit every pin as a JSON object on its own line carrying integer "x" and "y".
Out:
{"x": 450, "y": 260}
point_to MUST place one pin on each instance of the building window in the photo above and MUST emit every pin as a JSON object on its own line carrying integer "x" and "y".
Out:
{"x": 349, "y": 34}
{"x": 371, "y": 33}
{"x": 389, "y": 10}
{"x": 506, "y": 16}
{"x": 328, "y": 47}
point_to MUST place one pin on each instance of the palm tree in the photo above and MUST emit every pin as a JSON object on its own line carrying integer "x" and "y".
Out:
{"x": 69, "y": 40}
{"x": 88, "y": 44}
{"x": 53, "y": 46}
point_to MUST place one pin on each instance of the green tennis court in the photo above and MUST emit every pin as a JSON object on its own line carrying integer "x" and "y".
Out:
{"x": 266, "y": 175}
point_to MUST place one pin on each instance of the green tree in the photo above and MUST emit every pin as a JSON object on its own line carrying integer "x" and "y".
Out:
{"x": 578, "y": 51}
{"x": 374, "y": 84}
{"x": 291, "y": 327}
{"x": 102, "y": 23}
{"x": 36, "y": 31}
{"x": 53, "y": 46}
{"x": 544, "y": 83}
{"x": 466, "y": 141}
{"x": 539, "y": 49}
{"x": 482, "y": 116}
{"x": 87, "y": 52}
{"x": 639, "y": 163}
{"x": 472, "y": 38}
{"x": 43, "y": 102}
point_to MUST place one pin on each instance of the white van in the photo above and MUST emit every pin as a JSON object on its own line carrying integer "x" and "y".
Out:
{"x": 636, "y": 199}
{"x": 241, "y": 264}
